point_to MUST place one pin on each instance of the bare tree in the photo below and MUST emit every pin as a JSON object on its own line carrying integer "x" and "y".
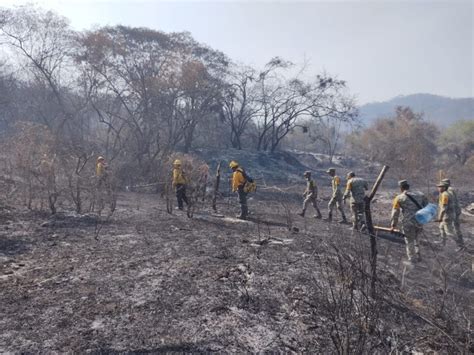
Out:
{"x": 149, "y": 89}
{"x": 284, "y": 102}
{"x": 328, "y": 127}
{"x": 42, "y": 43}
{"x": 239, "y": 104}
{"x": 9, "y": 90}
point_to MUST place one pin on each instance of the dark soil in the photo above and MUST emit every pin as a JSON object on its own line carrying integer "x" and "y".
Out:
{"x": 145, "y": 281}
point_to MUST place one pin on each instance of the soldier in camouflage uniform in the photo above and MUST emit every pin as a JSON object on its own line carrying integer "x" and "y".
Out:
{"x": 310, "y": 195}
{"x": 447, "y": 216}
{"x": 408, "y": 203}
{"x": 457, "y": 208}
{"x": 356, "y": 188}
{"x": 336, "y": 198}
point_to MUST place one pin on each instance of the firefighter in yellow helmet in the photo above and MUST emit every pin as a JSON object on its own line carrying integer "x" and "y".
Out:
{"x": 336, "y": 198}
{"x": 457, "y": 208}
{"x": 102, "y": 173}
{"x": 179, "y": 183}
{"x": 238, "y": 181}
{"x": 101, "y": 170}
{"x": 447, "y": 216}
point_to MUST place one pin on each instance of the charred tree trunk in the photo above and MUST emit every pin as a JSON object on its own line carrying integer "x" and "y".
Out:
{"x": 216, "y": 187}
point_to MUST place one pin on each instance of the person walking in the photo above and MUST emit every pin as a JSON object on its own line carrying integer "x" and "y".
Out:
{"x": 336, "y": 197}
{"x": 179, "y": 184}
{"x": 407, "y": 203}
{"x": 310, "y": 196}
{"x": 447, "y": 216}
{"x": 457, "y": 208}
{"x": 355, "y": 189}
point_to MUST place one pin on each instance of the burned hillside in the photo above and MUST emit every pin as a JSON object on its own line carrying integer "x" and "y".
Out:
{"x": 157, "y": 196}
{"x": 143, "y": 280}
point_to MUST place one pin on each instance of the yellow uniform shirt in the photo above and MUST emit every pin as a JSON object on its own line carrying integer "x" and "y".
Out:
{"x": 238, "y": 179}
{"x": 178, "y": 177}
{"x": 100, "y": 169}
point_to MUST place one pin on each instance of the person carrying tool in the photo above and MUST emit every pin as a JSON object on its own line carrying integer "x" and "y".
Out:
{"x": 239, "y": 179}
{"x": 179, "y": 184}
{"x": 310, "y": 195}
{"x": 408, "y": 203}
{"x": 336, "y": 198}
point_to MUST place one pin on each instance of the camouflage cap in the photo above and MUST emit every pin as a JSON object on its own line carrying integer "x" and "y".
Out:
{"x": 331, "y": 170}
{"x": 446, "y": 181}
{"x": 403, "y": 183}
{"x": 442, "y": 184}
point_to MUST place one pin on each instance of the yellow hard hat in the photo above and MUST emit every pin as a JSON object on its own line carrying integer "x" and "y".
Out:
{"x": 177, "y": 162}
{"x": 233, "y": 164}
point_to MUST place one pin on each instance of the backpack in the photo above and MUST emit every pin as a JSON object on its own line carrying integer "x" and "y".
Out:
{"x": 250, "y": 184}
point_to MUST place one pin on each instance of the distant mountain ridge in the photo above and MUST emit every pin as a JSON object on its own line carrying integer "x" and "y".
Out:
{"x": 440, "y": 110}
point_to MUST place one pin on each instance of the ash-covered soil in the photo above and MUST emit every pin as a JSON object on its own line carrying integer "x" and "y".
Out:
{"x": 145, "y": 281}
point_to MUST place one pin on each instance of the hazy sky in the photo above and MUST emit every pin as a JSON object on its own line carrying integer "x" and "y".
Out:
{"x": 381, "y": 48}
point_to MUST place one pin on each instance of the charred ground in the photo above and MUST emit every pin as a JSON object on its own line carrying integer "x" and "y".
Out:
{"x": 145, "y": 281}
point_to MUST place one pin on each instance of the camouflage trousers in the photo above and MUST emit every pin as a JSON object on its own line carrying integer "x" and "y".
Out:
{"x": 447, "y": 228}
{"x": 311, "y": 199}
{"x": 457, "y": 226}
{"x": 412, "y": 232}
{"x": 358, "y": 214}
{"x": 336, "y": 200}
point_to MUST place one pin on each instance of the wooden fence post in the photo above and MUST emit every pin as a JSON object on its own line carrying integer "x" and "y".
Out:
{"x": 371, "y": 230}
{"x": 216, "y": 187}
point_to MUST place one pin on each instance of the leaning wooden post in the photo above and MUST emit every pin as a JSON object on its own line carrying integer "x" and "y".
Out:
{"x": 216, "y": 187}
{"x": 371, "y": 230}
